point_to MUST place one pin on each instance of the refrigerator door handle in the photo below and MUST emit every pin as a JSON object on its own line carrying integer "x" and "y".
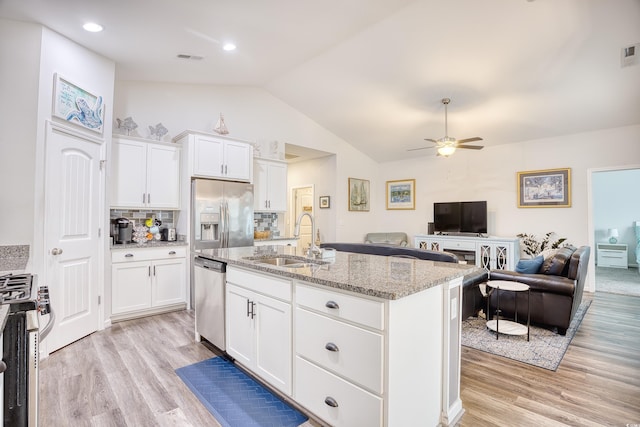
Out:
{"x": 226, "y": 206}
{"x": 222, "y": 225}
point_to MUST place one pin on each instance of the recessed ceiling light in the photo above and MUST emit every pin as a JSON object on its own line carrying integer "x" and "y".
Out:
{"x": 92, "y": 27}
{"x": 229, "y": 46}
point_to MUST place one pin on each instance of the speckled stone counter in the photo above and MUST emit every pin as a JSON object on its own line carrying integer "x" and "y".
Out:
{"x": 276, "y": 238}
{"x": 149, "y": 244}
{"x": 13, "y": 257}
{"x": 378, "y": 276}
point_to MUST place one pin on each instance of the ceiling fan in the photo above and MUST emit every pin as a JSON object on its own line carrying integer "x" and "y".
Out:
{"x": 446, "y": 145}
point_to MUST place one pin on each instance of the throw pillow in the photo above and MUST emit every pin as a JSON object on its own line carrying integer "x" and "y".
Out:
{"x": 555, "y": 265}
{"x": 529, "y": 266}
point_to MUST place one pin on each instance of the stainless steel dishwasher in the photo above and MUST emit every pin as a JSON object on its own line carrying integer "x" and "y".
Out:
{"x": 209, "y": 286}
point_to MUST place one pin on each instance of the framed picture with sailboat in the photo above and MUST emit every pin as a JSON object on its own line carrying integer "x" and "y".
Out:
{"x": 359, "y": 193}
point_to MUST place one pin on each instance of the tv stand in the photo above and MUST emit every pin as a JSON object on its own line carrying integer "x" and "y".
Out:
{"x": 446, "y": 233}
{"x": 499, "y": 253}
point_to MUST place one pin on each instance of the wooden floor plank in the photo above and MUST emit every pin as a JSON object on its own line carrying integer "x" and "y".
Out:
{"x": 130, "y": 370}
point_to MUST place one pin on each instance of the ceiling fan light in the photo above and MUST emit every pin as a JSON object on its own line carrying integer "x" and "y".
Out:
{"x": 446, "y": 150}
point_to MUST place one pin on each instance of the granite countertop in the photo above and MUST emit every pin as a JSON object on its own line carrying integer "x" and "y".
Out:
{"x": 13, "y": 258}
{"x": 272, "y": 238}
{"x": 378, "y": 276}
{"x": 149, "y": 244}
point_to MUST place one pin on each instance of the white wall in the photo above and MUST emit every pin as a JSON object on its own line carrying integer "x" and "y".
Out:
{"x": 254, "y": 115}
{"x": 616, "y": 205}
{"x": 490, "y": 174}
{"x": 19, "y": 63}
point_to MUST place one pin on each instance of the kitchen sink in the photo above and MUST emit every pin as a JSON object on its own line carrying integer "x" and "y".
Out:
{"x": 289, "y": 262}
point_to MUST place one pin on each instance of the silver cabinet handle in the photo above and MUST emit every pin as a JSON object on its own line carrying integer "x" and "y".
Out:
{"x": 332, "y": 304}
{"x": 144, "y": 198}
{"x": 172, "y": 252}
{"x": 331, "y": 402}
{"x": 225, "y": 169}
{"x": 154, "y": 270}
{"x": 221, "y": 169}
{"x": 128, "y": 256}
{"x": 56, "y": 251}
{"x": 331, "y": 347}
{"x": 148, "y": 197}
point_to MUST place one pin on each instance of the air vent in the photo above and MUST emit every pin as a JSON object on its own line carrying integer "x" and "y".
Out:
{"x": 629, "y": 55}
{"x": 192, "y": 57}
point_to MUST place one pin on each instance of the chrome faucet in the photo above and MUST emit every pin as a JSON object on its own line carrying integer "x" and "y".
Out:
{"x": 313, "y": 249}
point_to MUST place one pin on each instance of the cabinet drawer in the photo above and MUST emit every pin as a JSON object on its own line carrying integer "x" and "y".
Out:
{"x": 355, "y": 309}
{"x": 128, "y": 255}
{"x": 355, "y": 406}
{"x": 357, "y": 353}
{"x": 267, "y": 285}
{"x": 463, "y": 246}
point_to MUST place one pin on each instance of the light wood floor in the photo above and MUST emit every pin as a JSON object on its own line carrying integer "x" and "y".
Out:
{"x": 124, "y": 376}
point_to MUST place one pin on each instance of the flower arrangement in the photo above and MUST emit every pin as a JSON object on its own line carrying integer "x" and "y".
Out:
{"x": 532, "y": 246}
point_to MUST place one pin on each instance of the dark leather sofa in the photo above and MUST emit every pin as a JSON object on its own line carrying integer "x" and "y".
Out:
{"x": 556, "y": 290}
{"x": 472, "y": 300}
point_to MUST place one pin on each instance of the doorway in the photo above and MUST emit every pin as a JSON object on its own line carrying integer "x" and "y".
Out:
{"x": 72, "y": 239}
{"x": 609, "y": 187}
{"x": 302, "y": 201}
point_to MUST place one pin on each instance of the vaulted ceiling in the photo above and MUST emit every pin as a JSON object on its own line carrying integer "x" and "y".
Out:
{"x": 374, "y": 72}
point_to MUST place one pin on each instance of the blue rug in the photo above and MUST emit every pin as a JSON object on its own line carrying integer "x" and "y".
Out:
{"x": 234, "y": 398}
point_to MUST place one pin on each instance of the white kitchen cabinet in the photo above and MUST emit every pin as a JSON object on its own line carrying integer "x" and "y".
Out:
{"x": 145, "y": 174}
{"x": 258, "y": 325}
{"x": 500, "y": 253}
{"x": 147, "y": 281}
{"x": 270, "y": 185}
{"x": 216, "y": 156}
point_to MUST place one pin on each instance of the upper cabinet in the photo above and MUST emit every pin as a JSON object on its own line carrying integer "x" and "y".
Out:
{"x": 270, "y": 185}
{"x": 145, "y": 174}
{"x": 215, "y": 156}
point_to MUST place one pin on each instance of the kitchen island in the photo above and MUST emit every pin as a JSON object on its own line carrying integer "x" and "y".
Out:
{"x": 355, "y": 339}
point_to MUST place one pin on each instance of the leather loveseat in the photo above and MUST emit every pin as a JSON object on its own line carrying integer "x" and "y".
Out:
{"x": 472, "y": 300}
{"x": 556, "y": 289}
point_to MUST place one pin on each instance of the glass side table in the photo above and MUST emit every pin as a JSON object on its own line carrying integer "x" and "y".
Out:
{"x": 508, "y": 327}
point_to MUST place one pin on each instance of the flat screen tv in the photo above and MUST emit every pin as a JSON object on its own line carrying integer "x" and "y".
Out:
{"x": 460, "y": 217}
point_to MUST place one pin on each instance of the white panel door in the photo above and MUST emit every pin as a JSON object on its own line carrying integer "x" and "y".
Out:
{"x": 278, "y": 187}
{"x": 72, "y": 214}
{"x": 273, "y": 342}
{"x": 130, "y": 286}
{"x": 208, "y": 157}
{"x": 239, "y": 324}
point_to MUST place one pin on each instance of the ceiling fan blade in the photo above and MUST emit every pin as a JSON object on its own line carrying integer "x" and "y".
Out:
{"x": 464, "y": 141}
{"x": 416, "y": 149}
{"x": 471, "y": 147}
{"x": 431, "y": 140}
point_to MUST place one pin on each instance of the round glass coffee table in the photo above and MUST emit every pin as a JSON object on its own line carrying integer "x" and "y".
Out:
{"x": 508, "y": 327}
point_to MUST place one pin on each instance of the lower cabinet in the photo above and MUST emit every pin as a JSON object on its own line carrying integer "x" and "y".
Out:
{"x": 258, "y": 325}
{"x": 147, "y": 281}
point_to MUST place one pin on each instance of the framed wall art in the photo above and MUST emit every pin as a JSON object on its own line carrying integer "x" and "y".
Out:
{"x": 401, "y": 194}
{"x": 544, "y": 188}
{"x": 76, "y": 105}
{"x": 359, "y": 195}
{"x": 325, "y": 202}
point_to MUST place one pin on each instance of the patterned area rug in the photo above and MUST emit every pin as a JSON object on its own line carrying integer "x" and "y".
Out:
{"x": 545, "y": 348}
{"x": 234, "y": 398}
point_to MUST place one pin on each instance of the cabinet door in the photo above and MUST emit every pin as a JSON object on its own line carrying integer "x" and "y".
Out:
{"x": 273, "y": 342}
{"x": 168, "y": 282}
{"x": 238, "y": 159}
{"x": 277, "y": 190}
{"x": 208, "y": 157}
{"x": 129, "y": 173}
{"x": 239, "y": 325}
{"x": 163, "y": 177}
{"x": 130, "y": 286}
{"x": 260, "y": 185}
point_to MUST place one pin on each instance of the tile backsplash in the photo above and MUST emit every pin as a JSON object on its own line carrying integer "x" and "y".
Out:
{"x": 266, "y": 221}
{"x": 167, "y": 217}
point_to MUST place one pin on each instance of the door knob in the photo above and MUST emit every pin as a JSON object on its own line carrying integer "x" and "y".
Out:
{"x": 56, "y": 251}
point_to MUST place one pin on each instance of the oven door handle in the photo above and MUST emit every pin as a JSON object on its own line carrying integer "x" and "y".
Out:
{"x": 45, "y": 331}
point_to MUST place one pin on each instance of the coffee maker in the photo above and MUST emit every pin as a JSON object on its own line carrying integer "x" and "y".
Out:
{"x": 122, "y": 230}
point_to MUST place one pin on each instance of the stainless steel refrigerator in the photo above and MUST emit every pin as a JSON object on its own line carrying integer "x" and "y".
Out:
{"x": 222, "y": 214}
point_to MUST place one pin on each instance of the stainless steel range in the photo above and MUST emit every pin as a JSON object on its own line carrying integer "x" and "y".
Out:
{"x": 21, "y": 338}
